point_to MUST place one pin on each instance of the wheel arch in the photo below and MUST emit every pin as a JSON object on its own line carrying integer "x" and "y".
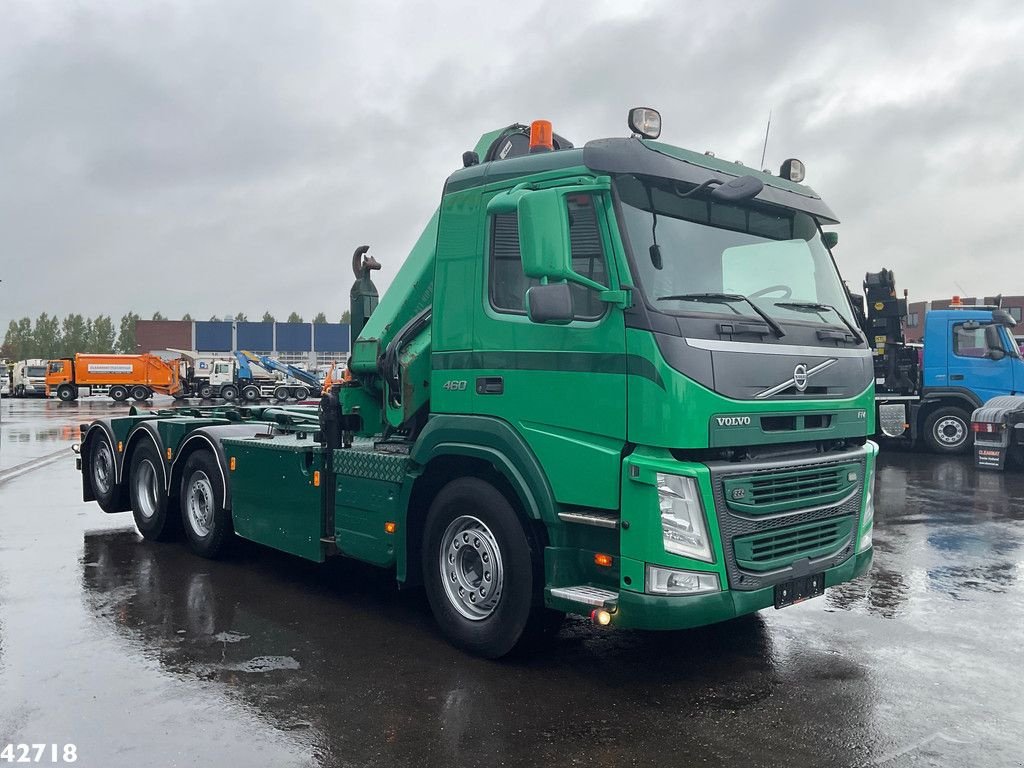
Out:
{"x": 209, "y": 438}
{"x": 451, "y": 447}
{"x": 88, "y": 493}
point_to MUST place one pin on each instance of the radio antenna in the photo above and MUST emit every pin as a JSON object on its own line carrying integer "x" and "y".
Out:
{"x": 767, "y": 128}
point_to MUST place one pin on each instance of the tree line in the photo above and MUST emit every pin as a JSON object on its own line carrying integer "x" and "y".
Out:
{"x": 50, "y": 337}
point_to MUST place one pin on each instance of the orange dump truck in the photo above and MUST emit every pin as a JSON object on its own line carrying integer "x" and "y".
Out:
{"x": 120, "y": 376}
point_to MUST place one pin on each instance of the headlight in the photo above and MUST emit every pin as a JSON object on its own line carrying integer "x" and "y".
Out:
{"x": 682, "y": 519}
{"x": 668, "y": 581}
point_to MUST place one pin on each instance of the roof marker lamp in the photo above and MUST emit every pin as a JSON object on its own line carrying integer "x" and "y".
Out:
{"x": 793, "y": 170}
{"x": 645, "y": 122}
{"x": 683, "y": 529}
{"x": 541, "y": 136}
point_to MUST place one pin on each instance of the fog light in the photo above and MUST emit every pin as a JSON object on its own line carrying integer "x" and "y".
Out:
{"x": 669, "y": 581}
{"x": 601, "y": 617}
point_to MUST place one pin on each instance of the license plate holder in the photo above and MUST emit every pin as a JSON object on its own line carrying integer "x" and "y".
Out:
{"x": 796, "y": 591}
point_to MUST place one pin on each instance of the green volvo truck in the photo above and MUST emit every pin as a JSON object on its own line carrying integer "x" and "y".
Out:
{"x": 621, "y": 381}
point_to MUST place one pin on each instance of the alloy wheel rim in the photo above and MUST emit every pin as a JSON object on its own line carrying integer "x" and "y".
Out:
{"x": 950, "y": 431}
{"x": 471, "y": 568}
{"x": 200, "y": 504}
{"x": 146, "y": 489}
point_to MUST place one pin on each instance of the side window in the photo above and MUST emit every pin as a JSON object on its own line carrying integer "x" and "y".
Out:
{"x": 969, "y": 342}
{"x": 507, "y": 283}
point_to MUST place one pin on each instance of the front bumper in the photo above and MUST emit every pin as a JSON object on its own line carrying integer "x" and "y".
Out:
{"x": 637, "y": 610}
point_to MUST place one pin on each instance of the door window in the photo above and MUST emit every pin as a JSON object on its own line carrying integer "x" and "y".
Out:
{"x": 507, "y": 283}
{"x": 969, "y": 342}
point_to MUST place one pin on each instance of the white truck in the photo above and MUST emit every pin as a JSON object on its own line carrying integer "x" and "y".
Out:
{"x": 28, "y": 378}
{"x": 233, "y": 377}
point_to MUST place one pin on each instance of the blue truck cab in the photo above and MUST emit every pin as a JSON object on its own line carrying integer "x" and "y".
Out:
{"x": 971, "y": 353}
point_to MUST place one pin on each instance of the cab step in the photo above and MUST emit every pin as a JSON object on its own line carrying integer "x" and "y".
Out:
{"x": 585, "y": 594}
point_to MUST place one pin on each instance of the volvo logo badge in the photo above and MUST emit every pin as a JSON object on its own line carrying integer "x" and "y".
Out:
{"x": 800, "y": 377}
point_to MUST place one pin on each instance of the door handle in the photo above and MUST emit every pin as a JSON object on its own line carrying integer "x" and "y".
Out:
{"x": 956, "y": 377}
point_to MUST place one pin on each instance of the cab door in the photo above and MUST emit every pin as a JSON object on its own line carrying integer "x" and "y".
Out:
{"x": 971, "y": 365}
{"x": 562, "y": 387}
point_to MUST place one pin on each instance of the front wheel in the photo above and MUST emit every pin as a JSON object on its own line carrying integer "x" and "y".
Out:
{"x": 948, "y": 430}
{"x": 150, "y": 506}
{"x": 67, "y": 392}
{"x": 478, "y": 568}
{"x": 207, "y": 523}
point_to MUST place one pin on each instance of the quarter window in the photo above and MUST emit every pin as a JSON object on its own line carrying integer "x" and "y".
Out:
{"x": 507, "y": 283}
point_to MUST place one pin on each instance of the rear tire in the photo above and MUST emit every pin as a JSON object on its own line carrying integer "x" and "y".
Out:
{"x": 229, "y": 393}
{"x": 207, "y": 524}
{"x": 154, "y": 513}
{"x": 478, "y": 568}
{"x": 250, "y": 393}
{"x": 67, "y": 393}
{"x": 282, "y": 393}
{"x": 205, "y": 392}
{"x": 118, "y": 393}
{"x": 103, "y": 473}
{"x": 301, "y": 393}
{"x": 948, "y": 431}
{"x": 140, "y": 393}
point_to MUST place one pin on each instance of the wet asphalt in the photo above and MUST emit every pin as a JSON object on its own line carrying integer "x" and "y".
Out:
{"x": 141, "y": 654}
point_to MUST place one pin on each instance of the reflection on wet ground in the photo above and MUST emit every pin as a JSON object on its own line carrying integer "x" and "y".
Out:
{"x": 141, "y": 651}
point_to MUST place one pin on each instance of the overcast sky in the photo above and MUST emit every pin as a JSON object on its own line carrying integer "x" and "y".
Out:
{"x": 217, "y": 157}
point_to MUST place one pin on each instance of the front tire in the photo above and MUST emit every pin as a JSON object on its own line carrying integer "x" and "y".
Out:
{"x": 478, "y": 568}
{"x": 153, "y": 511}
{"x": 67, "y": 392}
{"x": 207, "y": 523}
{"x": 948, "y": 431}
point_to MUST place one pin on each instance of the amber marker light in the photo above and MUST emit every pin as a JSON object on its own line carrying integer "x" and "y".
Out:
{"x": 120, "y": 447}
{"x": 390, "y": 527}
{"x": 603, "y": 560}
{"x": 169, "y": 455}
{"x": 541, "y": 136}
{"x": 316, "y": 475}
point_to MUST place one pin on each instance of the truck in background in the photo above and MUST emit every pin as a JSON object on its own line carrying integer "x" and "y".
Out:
{"x": 28, "y": 378}
{"x": 5, "y": 378}
{"x": 926, "y": 394}
{"x": 595, "y": 386}
{"x": 239, "y": 375}
{"x": 119, "y": 376}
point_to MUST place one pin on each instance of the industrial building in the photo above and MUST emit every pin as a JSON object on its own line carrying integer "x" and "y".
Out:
{"x": 309, "y": 344}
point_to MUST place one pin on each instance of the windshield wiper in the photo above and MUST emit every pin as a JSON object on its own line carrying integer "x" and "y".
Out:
{"x": 722, "y": 297}
{"x": 819, "y": 307}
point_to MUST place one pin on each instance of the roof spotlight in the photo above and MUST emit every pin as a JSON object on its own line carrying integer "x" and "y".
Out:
{"x": 793, "y": 170}
{"x": 645, "y": 122}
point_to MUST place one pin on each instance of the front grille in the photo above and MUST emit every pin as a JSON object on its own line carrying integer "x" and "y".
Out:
{"x": 778, "y": 548}
{"x": 766, "y": 493}
{"x": 801, "y": 519}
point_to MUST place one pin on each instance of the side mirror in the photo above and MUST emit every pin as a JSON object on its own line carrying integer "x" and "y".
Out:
{"x": 994, "y": 343}
{"x": 551, "y": 303}
{"x": 544, "y": 242}
{"x": 830, "y": 239}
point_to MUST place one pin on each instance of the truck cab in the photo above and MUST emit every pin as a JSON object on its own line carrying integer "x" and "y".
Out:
{"x": 971, "y": 351}
{"x": 28, "y": 378}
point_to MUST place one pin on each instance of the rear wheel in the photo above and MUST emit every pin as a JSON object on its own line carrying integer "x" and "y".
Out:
{"x": 282, "y": 393}
{"x": 153, "y": 511}
{"x": 948, "y": 430}
{"x": 140, "y": 393}
{"x": 251, "y": 393}
{"x": 103, "y": 472}
{"x": 67, "y": 392}
{"x": 478, "y": 568}
{"x": 118, "y": 393}
{"x": 206, "y": 392}
{"x": 301, "y": 393}
{"x": 229, "y": 393}
{"x": 207, "y": 523}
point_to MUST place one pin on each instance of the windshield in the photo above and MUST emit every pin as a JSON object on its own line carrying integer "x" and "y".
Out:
{"x": 716, "y": 257}
{"x": 35, "y": 371}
